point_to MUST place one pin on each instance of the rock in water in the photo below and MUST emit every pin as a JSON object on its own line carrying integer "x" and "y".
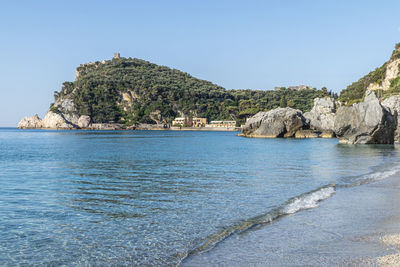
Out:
{"x": 279, "y": 122}
{"x": 365, "y": 123}
{"x": 33, "y": 122}
{"x": 84, "y": 121}
{"x": 322, "y": 115}
{"x": 54, "y": 120}
{"x": 306, "y": 134}
{"x": 393, "y": 105}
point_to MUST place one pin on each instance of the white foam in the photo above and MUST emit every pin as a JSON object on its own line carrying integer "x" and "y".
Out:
{"x": 376, "y": 176}
{"x": 309, "y": 201}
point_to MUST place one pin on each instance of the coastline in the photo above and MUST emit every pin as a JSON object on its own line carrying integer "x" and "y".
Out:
{"x": 197, "y": 129}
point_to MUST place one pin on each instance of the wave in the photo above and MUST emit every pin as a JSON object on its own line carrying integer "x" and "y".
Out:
{"x": 304, "y": 201}
{"x": 371, "y": 177}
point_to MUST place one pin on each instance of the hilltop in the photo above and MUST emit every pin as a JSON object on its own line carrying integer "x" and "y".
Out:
{"x": 130, "y": 91}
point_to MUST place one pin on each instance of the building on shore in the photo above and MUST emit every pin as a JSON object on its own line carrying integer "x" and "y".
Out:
{"x": 189, "y": 122}
{"x": 225, "y": 124}
{"x": 199, "y": 122}
{"x": 180, "y": 121}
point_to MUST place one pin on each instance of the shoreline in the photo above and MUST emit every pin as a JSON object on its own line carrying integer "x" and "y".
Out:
{"x": 194, "y": 129}
{"x": 357, "y": 226}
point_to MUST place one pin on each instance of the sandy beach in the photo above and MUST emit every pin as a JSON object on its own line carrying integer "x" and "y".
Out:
{"x": 392, "y": 240}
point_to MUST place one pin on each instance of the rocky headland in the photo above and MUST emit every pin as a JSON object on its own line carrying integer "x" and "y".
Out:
{"x": 367, "y": 112}
{"x": 368, "y": 122}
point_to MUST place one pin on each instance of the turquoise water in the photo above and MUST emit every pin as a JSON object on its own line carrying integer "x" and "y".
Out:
{"x": 158, "y": 197}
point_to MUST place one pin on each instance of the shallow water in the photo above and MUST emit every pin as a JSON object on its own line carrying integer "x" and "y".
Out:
{"x": 155, "y": 197}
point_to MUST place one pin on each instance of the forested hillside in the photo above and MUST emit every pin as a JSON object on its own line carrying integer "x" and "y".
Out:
{"x": 132, "y": 90}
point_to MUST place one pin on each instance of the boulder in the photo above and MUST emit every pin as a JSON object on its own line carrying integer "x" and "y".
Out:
{"x": 322, "y": 115}
{"x": 393, "y": 105}
{"x": 33, "y": 122}
{"x": 54, "y": 120}
{"x": 365, "y": 123}
{"x": 279, "y": 122}
{"x": 84, "y": 121}
{"x": 66, "y": 107}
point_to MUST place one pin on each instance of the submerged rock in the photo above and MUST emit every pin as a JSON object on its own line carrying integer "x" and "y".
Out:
{"x": 322, "y": 115}
{"x": 327, "y": 134}
{"x": 280, "y": 122}
{"x": 367, "y": 122}
{"x": 33, "y": 122}
{"x": 306, "y": 134}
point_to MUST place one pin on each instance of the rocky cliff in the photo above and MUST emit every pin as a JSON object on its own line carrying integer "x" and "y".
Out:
{"x": 368, "y": 122}
{"x": 322, "y": 115}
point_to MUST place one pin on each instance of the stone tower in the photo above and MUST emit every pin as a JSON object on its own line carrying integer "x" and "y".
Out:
{"x": 116, "y": 55}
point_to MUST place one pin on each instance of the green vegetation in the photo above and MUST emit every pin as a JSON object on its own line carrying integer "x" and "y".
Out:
{"x": 396, "y": 52}
{"x": 394, "y": 88}
{"x": 98, "y": 93}
{"x": 355, "y": 92}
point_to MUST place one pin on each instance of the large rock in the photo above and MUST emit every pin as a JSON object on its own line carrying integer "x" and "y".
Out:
{"x": 84, "y": 121}
{"x": 67, "y": 108}
{"x": 33, "y": 122}
{"x": 322, "y": 115}
{"x": 393, "y": 105}
{"x": 54, "y": 120}
{"x": 280, "y": 122}
{"x": 365, "y": 123}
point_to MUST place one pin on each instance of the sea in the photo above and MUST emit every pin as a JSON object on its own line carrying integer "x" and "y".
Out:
{"x": 171, "y": 198}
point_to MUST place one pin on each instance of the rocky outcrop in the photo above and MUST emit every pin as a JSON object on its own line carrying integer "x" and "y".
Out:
{"x": 66, "y": 107}
{"x": 367, "y": 122}
{"x": 54, "y": 120}
{"x": 392, "y": 71}
{"x": 280, "y": 122}
{"x": 322, "y": 115}
{"x": 393, "y": 105}
{"x": 84, "y": 121}
{"x": 33, "y": 122}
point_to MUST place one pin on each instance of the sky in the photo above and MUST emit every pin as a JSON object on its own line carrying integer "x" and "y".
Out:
{"x": 235, "y": 44}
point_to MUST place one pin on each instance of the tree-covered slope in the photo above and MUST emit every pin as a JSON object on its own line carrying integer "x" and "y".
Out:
{"x": 132, "y": 90}
{"x": 385, "y": 79}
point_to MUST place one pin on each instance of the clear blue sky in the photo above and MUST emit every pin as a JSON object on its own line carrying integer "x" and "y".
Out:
{"x": 236, "y": 44}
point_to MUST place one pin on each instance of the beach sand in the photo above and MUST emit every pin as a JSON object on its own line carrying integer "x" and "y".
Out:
{"x": 392, "y": 240}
